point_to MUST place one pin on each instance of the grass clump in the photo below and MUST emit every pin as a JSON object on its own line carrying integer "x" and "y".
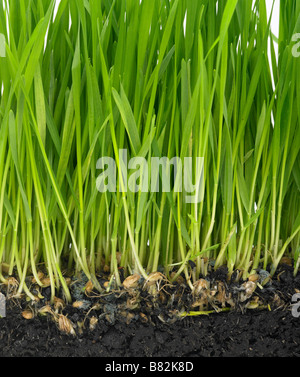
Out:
{"x": 158, "y": 78}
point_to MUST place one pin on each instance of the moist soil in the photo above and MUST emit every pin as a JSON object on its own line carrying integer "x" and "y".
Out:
{"x": 100, "y": 328}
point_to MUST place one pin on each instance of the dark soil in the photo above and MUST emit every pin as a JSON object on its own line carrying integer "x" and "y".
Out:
{"x": 241, "y": 332}
{"x": 225, "y": 334}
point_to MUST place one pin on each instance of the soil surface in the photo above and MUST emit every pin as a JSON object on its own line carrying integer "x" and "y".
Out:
{"x": 273, "y": 331}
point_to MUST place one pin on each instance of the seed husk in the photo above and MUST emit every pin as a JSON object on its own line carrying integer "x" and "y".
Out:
{"x": 155, "y": 277}
{"x": 46, "y": 282}
{"x": 45, "y": 310}
{"x": 143, "y": 317}
{"x": 131, "y": 281}
{"x": 27, "y": 314}
{"x": 254, "y": 278}
{"x": 89, "y": 287}
{"x": 12, "y": 282}
{"x": 59, "y": 304}
{"x": 132, "y": 303}
{"x": 129, "y": 318}
{"x": 65, "y": 325}
{"x": 200, "y": 285}
{"x": 106, "y": 284}
{"x": 286, "y": 260}
{"x": 80, "y": 326}
{"x": 93, "y": 323}
{"x": 77, "y": 304}
{"x": 249, "y": 288}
